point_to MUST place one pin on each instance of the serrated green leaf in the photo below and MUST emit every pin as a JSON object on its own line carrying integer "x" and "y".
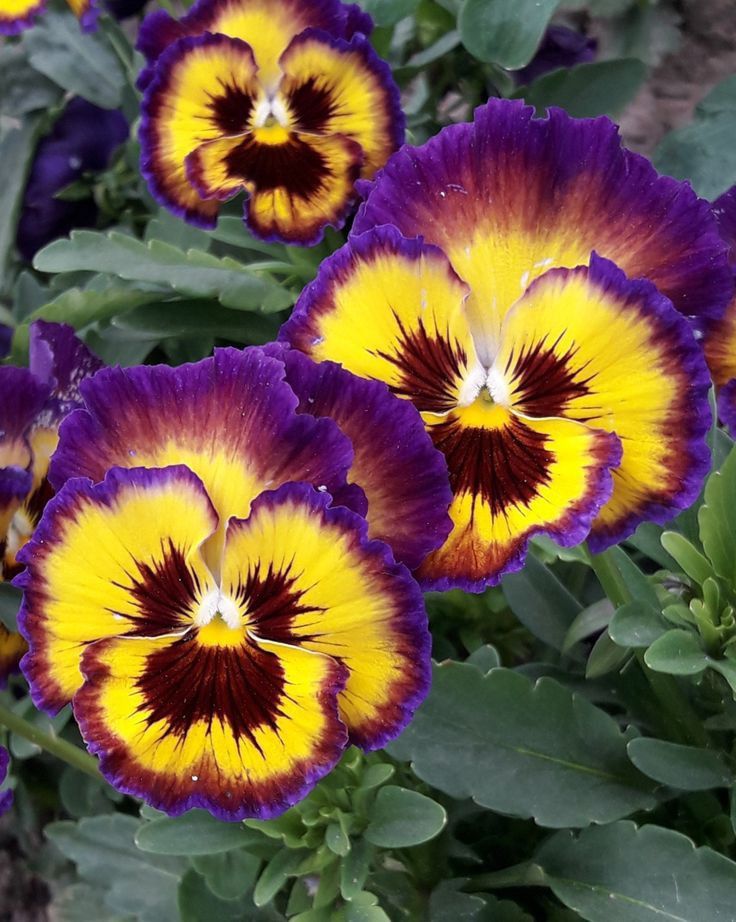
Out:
{"x": 401, "y": 818}
{"x": 636, "y": 624}
{"x": 540, "y": 601}
{"x": 523, "y": 749}
{"x": 619, "y": 873}
{"x": 504, "y": 32}
{"x": 688, "y": 768}
{"x": 194, "y": 273}
{"x": 79, "y": 62}
{"x": 195, "y": 833}
{"x": 587, "y": 90}
{"x": 678, "y": 652}
{"x": 81, "y": 902}
{"x": 135, "y": 884}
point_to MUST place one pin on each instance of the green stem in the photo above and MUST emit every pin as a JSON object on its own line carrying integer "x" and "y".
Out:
{"x": 54, "y": 745}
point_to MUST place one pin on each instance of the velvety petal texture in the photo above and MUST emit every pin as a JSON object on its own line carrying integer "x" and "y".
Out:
{"x": 234, "y": 691}
{"x": 509, "y": 196}
{"x": 285, "y": 101}
{"x": 585, "y": 412}
{"x": 720, "y": 337}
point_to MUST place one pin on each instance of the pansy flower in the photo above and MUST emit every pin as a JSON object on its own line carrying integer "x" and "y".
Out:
{"x": 18, "y": 15}
{"x": 33, "y": 401}
{"x": 221, "y": 620}
{"x": 567, "y": 398}
{"x": 720, "y": 338}
{"x": 282, "y": 99}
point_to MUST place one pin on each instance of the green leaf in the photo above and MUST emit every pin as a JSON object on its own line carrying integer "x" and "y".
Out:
{"x": 596, "y": 88}
{"x": 229, "y": 875}
{"x": 688, "y": 768}
{"x": 605, "y": 657}
{"x": 24, "y": 88}
{"x": 389, "y": 12}
{"x": 717, "y": 524}
{"x": 484, "y": 658}
{"x": 83, "y": 795}
{"x": 17, "y": 144}
{"x": 81, "y": 902}
{"x": 541, "y": 602}
{"x": 138, "y": 885}
{"x": 197, "y": 903}
{"x": 279, "y": 869}
{"x": 678, "y": 652}
{"x": 619, "y": 873}
{"x": 195, "y": 833}
{"x": 693, "y": 563}
{"x": 337, "y": 840}
{"x": 522, "y": 749}
{"x": 166, "y": 320}
{"x": 79, "y": 62}
{"x": 354, "y": 868}
{"x": 448, "y": 902}
{"x": 591, "y": 620}
{"x": 504, "y": 32}
{"x": 636, "y": 624}
{"x": 401, "y": 818}
{"x": 704, "y": 151}
{"x": 194, "y": 273}
{"x": 646, "y": 539}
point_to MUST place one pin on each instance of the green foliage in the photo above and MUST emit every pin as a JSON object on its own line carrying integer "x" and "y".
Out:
{"x": 522, "y": 749}
{"x": 619, "y": 872}
{"x": 504, "y": 32}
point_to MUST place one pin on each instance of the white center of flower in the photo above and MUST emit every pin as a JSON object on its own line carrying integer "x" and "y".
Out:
{"x": 488, "y": 385}
{"x": 269, "y": 110}
{"x": 216, "y": 604}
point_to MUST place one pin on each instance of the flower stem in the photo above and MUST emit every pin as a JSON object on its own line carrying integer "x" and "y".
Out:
{"x": 54, "y": 745}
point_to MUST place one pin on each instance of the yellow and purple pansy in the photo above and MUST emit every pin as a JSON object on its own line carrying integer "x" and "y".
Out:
{"x": 720, "y": 336}
{"x": 18, "y": 15}
{"x": 282, "y": 99}
{"x": 33, "y": 402}
{"x": 203, "y": 590}
{"x": 490, "y": 281}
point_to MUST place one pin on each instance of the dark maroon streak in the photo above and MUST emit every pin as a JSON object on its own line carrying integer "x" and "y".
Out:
{"x": 311, "y": 106}
{"x": 429, "y": 364}
{"x": 188, "y": 682}
{"x": 232, "y": 110}
{"x": 502, "y": 467}
{"x": 165, "y": 593}
{"x": 543, "y": 382}
{"x": 272, "y": 603}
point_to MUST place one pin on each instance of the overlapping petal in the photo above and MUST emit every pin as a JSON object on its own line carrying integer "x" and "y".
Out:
{"x": 403, "y": 476}
{"x": 510, "y": 196}
{"x": 586, "y": 346}
{"x": 592, "y": 345}
{"x": 720, "y": 337}
{"x": 121, "y": 557}
{"x": 230, "y": 418}
{"x": 233, "y": 692}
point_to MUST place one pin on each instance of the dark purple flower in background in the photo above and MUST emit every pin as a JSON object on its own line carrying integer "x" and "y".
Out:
{"x": 560, "y": 47}
{"x": 6, "y": 797}
{"x": 6, "y": 337}
{"x": 123, "y": 9}
{"x": 82, "y": 140}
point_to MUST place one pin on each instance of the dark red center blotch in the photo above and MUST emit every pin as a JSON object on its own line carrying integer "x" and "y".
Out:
{"x": 503, "y": 467}
{"x": 242, "y": 686}
{"x": 272, "y": 601}
{"x": 294, "y": 166}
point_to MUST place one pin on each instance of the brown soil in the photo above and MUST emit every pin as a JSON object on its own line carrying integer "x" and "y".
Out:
{"x": 707, "y": 55}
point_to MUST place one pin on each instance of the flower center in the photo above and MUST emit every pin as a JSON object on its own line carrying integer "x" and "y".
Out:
{"x": 219, "y": 621}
